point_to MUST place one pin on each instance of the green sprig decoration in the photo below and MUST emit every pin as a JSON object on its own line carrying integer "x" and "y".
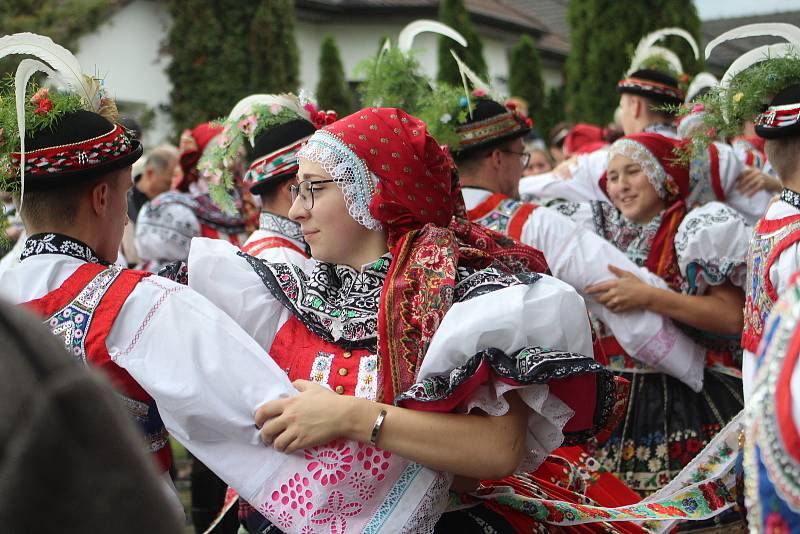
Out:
{"x": 748, "y": 94}
{"x": 236, "y": 141}
{"x": 43, "y": 108}
{"x": 392, "y": 79}
{"x": 442, "y": 110}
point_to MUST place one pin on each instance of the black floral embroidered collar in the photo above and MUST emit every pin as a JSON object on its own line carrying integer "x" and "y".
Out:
{"x": 791, "y": 197}
{"x": 336, "y": 302}
{"x": 280, "y": 225}
{"x": 59, "y": 244}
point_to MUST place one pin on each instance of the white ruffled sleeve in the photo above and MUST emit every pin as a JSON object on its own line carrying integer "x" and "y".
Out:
{"x": 217, "y": 272}
{"x": 752, "y": 208}
{"x": 711, "y": 244}
{"x": 476, "y": 356}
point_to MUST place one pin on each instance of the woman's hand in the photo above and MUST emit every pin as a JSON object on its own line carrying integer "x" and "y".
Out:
{"x": 313, "y": 417}
{"x": 625, "y": 293}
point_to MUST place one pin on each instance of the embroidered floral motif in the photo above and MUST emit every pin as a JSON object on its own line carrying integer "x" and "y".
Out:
{"x": 336, "y": 513}
{"x": 321, "y": 368}
{"x": 329, "y": 465}
{"x": 367, "y": 386}
{"x": 373, "y": 460}
{"x": 59, "y": 244}
{"x": 634, "y": 239}
{"x": 295, "y": 494}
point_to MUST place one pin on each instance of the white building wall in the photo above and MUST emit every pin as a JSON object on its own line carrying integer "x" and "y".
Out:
{"x": 125, "y": 51}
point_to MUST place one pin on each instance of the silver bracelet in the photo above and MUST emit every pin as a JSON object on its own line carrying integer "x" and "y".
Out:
{"x": 377, "y": 428}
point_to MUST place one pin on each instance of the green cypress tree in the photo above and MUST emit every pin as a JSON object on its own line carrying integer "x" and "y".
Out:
{"x": 273, "y": 48}
{"x": 554, "y": 111}
{"x": 603, "y": 36}
{"x": 210, "y": 67}
{"x": 525, "y": 75}
{"x": 332, "y": 89}
{"x": 454, "y": 14}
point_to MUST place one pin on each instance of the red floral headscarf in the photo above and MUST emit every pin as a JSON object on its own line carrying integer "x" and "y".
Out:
{"x": 393, "y": 172}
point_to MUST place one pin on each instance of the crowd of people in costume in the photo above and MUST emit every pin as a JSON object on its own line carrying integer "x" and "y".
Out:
{"x": 420, "y": 317}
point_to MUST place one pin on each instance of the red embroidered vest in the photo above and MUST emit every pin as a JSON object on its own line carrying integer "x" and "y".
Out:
{"x": 770, "y": 239}
{"x": 502, "y": 214}
{"x": 303, "y": 355}
{"x": 81, "y": 313}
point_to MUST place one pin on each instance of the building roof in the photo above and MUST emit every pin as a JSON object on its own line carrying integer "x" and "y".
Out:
{"x": 726, "y": 53}
{"x": 506, "y": 15}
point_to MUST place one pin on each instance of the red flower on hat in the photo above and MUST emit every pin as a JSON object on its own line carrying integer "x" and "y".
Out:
{"x": 45, "y": 105}
{"x": 478, "y": 93}
{"x": 511, "y": 105}
{"x": 683, "y": 78}
{"x": 38, "y": 95}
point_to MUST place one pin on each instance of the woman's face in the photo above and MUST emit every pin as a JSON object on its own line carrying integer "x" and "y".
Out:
{"x": 538, "y": 164}
{"x": 331, "y": 233}
{"x": 631, "y": 191}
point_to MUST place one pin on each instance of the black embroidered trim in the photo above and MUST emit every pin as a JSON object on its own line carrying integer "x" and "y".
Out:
{"x": 532, "y": 365}
{"x": 53, "y": 243}
{"x": 177, "y": 271}
{"x": 205, "y": 210}
{"x": 791, "y": 197}
{"x": 274, "y": 287}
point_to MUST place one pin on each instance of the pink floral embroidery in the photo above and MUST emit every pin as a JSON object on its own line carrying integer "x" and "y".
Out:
{"x": 336, "y": 513}
{"x": 267, "y": 509}
{"x": 308, "y": 529}
{"x": 285, "y": 519}
{"x": 295, "y": 494}
{"x": 374, "y": 461}
{"x": 329, "y": 465}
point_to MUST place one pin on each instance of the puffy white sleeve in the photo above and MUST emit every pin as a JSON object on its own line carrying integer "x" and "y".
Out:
{"x": 711, "y": 244}
{"x": 208, "y": 378}
{"x": 583, "y": 186}
{"x": 164, "y": 231}
{"x": 581, "y": 258}
{"x": 217, "y": 272}
{"x": 753, "y": 207}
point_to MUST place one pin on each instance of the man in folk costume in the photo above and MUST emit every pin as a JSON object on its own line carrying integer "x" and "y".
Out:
{"x": 772, "y": 448}
{"x": 167, "y": 224}
{"x": 72, "y": 175}
{"x": 774, "y": 254}
{"x": 652, "y": 82}
{"x": 271, "y": 128}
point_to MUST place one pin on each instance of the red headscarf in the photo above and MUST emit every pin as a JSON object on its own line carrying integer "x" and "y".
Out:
{"x": 418, "y": 200}
{"x": 656, "y": 154}
{"x": 583, "y": 139}
{"x": 193, "y": 143}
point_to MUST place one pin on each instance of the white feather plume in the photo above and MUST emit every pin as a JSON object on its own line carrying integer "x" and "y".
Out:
{"x": 646, "y": 44}
{"x": 407, "y": 35}
{"x": 788, "y": 32}
{"x": 700, "y": 82}
{"x": 758, "y": 55}
{"x": 647, "y": 53}
{"x": 469, "y": 74}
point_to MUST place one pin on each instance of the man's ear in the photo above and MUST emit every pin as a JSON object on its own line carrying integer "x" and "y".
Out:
{"x": 639, "y": 108}
{"x": 496, "y": 157}
{"x": 100, "y": 194}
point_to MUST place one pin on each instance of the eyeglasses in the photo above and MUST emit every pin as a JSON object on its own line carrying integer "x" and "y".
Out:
{"x": 305, "y": 190}
{"x": 525, "y": 157}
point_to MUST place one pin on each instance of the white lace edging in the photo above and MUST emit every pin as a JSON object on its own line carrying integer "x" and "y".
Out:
{"x": 348, "y": 171}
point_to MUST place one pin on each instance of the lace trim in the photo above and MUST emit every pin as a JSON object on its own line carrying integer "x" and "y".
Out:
{"x": 348, "y": 170}
{"x": 59, "y": 244}
{"x": 665, "y": 185}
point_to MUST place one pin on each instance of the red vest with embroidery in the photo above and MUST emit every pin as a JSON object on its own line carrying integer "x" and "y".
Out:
{"x": 304, "y": 355}
{"x": 770, "y": 239}
{"x": 81, "y": 313}
{"x": 502, "y": 214}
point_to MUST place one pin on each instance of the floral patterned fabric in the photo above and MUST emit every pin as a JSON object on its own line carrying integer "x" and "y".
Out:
{"x": 772, "y": 454}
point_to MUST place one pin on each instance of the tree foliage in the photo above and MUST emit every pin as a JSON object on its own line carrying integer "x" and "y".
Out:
{"x": 64, "y": 21}
{"x": 332, "y": 89}
{"x": 603, "y": 36}
{"x": 454, "y": 14}
{"x": 554, "y": 111}
{"x": 225, "y": 50}
{"x": 525, "y": 76}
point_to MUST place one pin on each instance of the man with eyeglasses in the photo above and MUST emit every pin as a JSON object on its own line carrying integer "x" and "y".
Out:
{"x": 490, "y": 161}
